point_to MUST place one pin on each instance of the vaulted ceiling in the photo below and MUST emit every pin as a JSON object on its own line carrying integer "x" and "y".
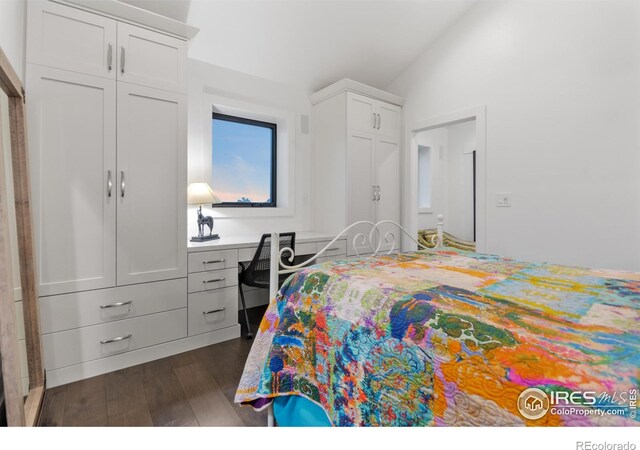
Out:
{"x": 311, "y": 44}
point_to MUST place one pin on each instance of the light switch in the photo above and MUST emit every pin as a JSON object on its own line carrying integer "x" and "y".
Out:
{"x": 503, "y": 199}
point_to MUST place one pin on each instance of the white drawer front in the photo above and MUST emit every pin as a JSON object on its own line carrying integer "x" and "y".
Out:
{"x": 216, "y": 279}
{"x": 337, "y": 248}
{"x": 213, "y": 310}
{"x": 307, "y": 248}
{"x": 330, "y": 258}
{"x": 81, "y": 309}
{"x": 67, "y": 348}
{"x": 213, "y": 260}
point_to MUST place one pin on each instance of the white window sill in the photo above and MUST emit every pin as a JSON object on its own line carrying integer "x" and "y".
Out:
{"x": 425, "y": 211}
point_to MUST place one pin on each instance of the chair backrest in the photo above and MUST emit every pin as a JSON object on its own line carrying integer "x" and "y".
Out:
{"x": 258, "y": 269}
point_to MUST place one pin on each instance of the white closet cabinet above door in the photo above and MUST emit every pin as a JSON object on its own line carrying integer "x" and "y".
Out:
{"x": 151, "y": 59}
{"x": 373, "y": 116}
{"x": 71, "y": 39}
{"x": 151, "y": 189}
{"x": 73, "y": 162}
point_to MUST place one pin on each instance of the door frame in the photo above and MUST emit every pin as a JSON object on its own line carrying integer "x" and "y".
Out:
{"x": 477, "y": 113}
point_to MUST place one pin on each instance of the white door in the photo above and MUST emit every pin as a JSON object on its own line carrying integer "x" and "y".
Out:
{"x": 152, "y": 184}
{"x": 387, "y": 199}
{"x": 360, "y": 189}
{"x": 71, "y": 39}
{"x": 72, "y": 132}
{"x": 361, "y": 113}
{"x": 151, "y": 59}
{"x": 388, "y": 119}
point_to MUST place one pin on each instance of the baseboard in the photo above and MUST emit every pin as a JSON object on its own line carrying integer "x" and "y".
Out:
{"x": 104, "y": 365}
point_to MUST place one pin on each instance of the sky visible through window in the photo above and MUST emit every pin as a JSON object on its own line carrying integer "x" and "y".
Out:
{"x": 241, "y": 162}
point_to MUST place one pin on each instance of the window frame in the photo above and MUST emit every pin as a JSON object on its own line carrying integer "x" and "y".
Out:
{"x": 274, "y": 160}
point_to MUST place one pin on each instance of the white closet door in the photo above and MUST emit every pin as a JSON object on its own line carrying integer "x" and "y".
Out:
{"x": 386, "y": 177}
{"x": 152, "y": 185}
{"x": 72, "y": 124}
{"x": 360, "y": 182}
{"x": 361, "y": 113}
{"x": 71, "y": 39}
{"x": 151, "y": 59}
{"x": 389, "y": 119}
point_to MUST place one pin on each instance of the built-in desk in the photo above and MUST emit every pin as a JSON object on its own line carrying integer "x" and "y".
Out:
{"x": 213, "y": 275}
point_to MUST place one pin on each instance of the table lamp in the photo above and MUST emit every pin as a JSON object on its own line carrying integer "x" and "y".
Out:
{"x": 199, "y": 194}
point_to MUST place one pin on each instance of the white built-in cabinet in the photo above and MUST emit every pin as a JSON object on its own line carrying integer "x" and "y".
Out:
{"x": 356, "y": 152}
{"x": 107, "y": 121}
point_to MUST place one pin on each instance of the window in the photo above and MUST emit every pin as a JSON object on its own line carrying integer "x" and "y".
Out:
{"x": 243, "y": 161}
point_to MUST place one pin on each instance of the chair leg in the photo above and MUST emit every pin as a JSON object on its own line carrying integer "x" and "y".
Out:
{"x": 244, "y": 310}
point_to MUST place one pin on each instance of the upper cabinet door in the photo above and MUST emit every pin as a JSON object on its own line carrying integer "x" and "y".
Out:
{"x": 152, "y": 184}
{"x": 70, "y": 39}
{"x": 151, "y": 59}
{"x": 389, "y": 119}
{"x": 361, "y": 113}
{"x": 72, "y": 144}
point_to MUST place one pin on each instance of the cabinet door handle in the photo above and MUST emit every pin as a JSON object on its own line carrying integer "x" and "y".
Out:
{"x": 115, "y": 305}
{"x": 122, "y": 59}
{"x": 117, "y": 339}
{"x": 379, "y": 121}
{"x": 215, "y": 261}
{"x": 109, "y": 183}
{"x": 374, "y": 193}
{"x": 215, "y": 280}
{"x": 122, "y": 183}
{"x": 373, "y": 125}
{"x": 213, "y": 311}
{"x": 378, "y": 193}
{"x": 110, "y": 57}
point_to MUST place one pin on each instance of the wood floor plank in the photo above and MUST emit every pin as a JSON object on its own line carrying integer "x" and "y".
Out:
{"x": 126, "y": 400}
{"x": 167, "y": 402}
{"x": 86, "y": 403}
{"x": 206, "y": 398}
{"x": 53, "y": 407}
{"x": 225, "y": 361}
{"x": 249, "y": 417}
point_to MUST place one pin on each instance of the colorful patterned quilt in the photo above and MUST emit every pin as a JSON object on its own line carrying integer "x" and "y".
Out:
{"x": 452, "y": 338}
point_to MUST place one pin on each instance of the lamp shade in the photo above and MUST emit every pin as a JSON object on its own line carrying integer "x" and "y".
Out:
{"x": 201, "y": 193}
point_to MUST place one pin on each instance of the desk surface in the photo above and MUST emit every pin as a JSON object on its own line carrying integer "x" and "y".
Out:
{"x": 228, "y": 241}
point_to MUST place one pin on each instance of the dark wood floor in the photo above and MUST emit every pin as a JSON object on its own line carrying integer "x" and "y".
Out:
{"x": 195, "y": 388}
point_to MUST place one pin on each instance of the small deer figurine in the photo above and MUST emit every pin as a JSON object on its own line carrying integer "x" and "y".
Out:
{"x": 202, "y": 221}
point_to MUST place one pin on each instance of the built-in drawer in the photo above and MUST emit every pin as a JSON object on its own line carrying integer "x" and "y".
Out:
{"x": 67, "y": 348}
{"x": 330, "y": 258}
{"x": 213, "y": 310}
{"x": 306, "y": 248}
{"x": 81, "y": 309}
{"x": 337, "y": 248}
{"x": 212, "y": 260}
{"x": 216, "y": 279}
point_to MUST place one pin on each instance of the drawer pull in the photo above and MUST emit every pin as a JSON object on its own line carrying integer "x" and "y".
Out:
{"x": 117, "y": 339}
{"x": 215, "y": 280}
{"x": 213, "y": 311}
{"x": 115, "y": 305}
{"x": 332, "y": 249}
{"x": 215, "y": 261}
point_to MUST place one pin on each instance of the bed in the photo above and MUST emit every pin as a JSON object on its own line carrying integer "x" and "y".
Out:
{"x": 448, "y": 337}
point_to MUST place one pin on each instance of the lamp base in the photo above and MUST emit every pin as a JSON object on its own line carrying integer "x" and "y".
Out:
{"x": 204, "y": 238}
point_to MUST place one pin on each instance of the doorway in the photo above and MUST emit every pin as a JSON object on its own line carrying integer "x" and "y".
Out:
{"x": 447, "y": 168}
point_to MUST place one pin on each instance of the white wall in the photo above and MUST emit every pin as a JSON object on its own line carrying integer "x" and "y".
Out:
{"x": 437, "y": 140}
{"x": 560, "y": 81}
{"x": 13, "y": 16}
{"x": 212, "y": 85}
